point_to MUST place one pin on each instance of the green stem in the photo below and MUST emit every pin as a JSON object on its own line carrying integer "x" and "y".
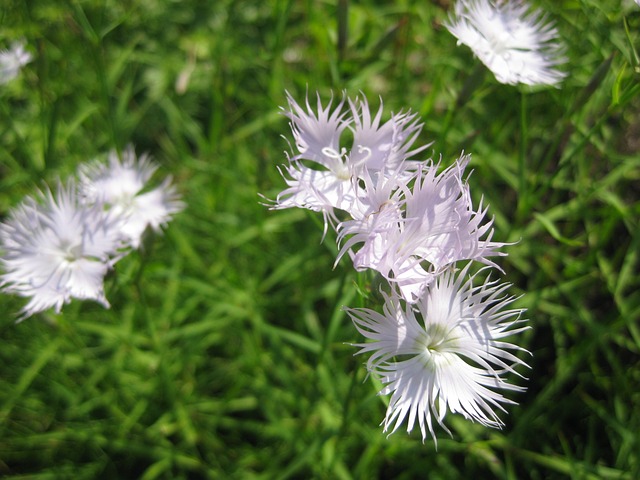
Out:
{"x": 346, "y": 405}
{"x": 523, "y": 196}
{"x": 342, "y": 297}
{"x": 157, "y": 344}
{"x": 97, "y": 52}
{"x": 471, "y": 85}
{"x": 104, "y": 88}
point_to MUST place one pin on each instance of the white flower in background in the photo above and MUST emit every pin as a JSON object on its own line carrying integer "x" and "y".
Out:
{"x": 418, "y": 234}
{"x": 323, "y": 175}
{"x": 12, "y": 60}
{"x": 444, "y": 353}
{"x": 54, "y": 248}
{"x": 120, "y": 187}
{"x": 517, "y": 44}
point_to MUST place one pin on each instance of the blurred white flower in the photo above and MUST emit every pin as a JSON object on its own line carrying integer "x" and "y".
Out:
{"x": 54, "y": 248}
{"x": 421, "y": 230}
{"x": 445, "y": 353}
{"x": 120, "y": 187}
{"x": 516, "y": 43}
{"x": 12, "y": 60}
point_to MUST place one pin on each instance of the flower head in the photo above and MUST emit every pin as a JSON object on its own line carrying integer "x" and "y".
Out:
{"x": 54, "y": 248}
{"x": 12, "y": 60}
{"x": 323, "y": 174}
{"x": 445, "y": 353}
{"x": 517, "y": 44}
{"x": 120, "y": 186}
{"x": 421, "y": 230}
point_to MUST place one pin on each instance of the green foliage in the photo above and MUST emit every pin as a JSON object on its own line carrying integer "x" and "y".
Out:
{"x": 225, "y": 353}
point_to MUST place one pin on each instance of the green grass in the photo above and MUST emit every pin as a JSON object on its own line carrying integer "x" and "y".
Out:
{"x": 225, "y": 353}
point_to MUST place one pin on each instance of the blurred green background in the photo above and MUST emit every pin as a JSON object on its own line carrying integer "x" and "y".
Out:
{"x": 225, "y": 353}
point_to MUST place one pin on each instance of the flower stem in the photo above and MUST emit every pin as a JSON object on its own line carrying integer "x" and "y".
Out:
{"x": 471, "y": 84}
{"x": 523, "y": 197}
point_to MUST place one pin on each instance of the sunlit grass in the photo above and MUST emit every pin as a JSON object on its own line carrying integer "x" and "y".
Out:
{"x": 225, "y": 353}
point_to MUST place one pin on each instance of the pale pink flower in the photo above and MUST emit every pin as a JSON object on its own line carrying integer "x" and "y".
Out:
{"x": 422, "y": 230}
{"x": 324, "y": 175}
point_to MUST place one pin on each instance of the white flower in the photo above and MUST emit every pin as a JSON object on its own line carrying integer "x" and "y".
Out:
{"x": 55, "y": 248}
{"x": 317, "y": 135}
{"x": 12, "y": 60}
{"x": 445, "y": 353}
{"x": 119, "y": 186}
{"x": 324, "y": 175}
{"x": 383, "y": 147}
{"x": 517, "y": 44}
{"x": 418, "y": 234}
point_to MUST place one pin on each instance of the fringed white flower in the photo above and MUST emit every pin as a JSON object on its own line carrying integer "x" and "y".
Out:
{"x": 55, "y": 248}
{"x": 120, "y": 185}
{"x": 516, "y": 43}
{"x": 444, "y": 353}
{"x": 323, "y": 175}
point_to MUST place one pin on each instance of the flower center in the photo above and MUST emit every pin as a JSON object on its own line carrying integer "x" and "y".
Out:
{"x": 338, "y": 165}
{"x": 436, "y": 345}
{"x": 70, "y": 251}
{"x": 498, "y": 43}
{"x": 436, "y": 337}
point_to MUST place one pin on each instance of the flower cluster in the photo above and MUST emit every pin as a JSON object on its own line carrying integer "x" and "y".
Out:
{"x": 59, "y": 244}
{"x": 405, "y": 219}
{"x": 12, "y": 60}
{"x": 438, "y": 345}
{"x": 516, "y": 43}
